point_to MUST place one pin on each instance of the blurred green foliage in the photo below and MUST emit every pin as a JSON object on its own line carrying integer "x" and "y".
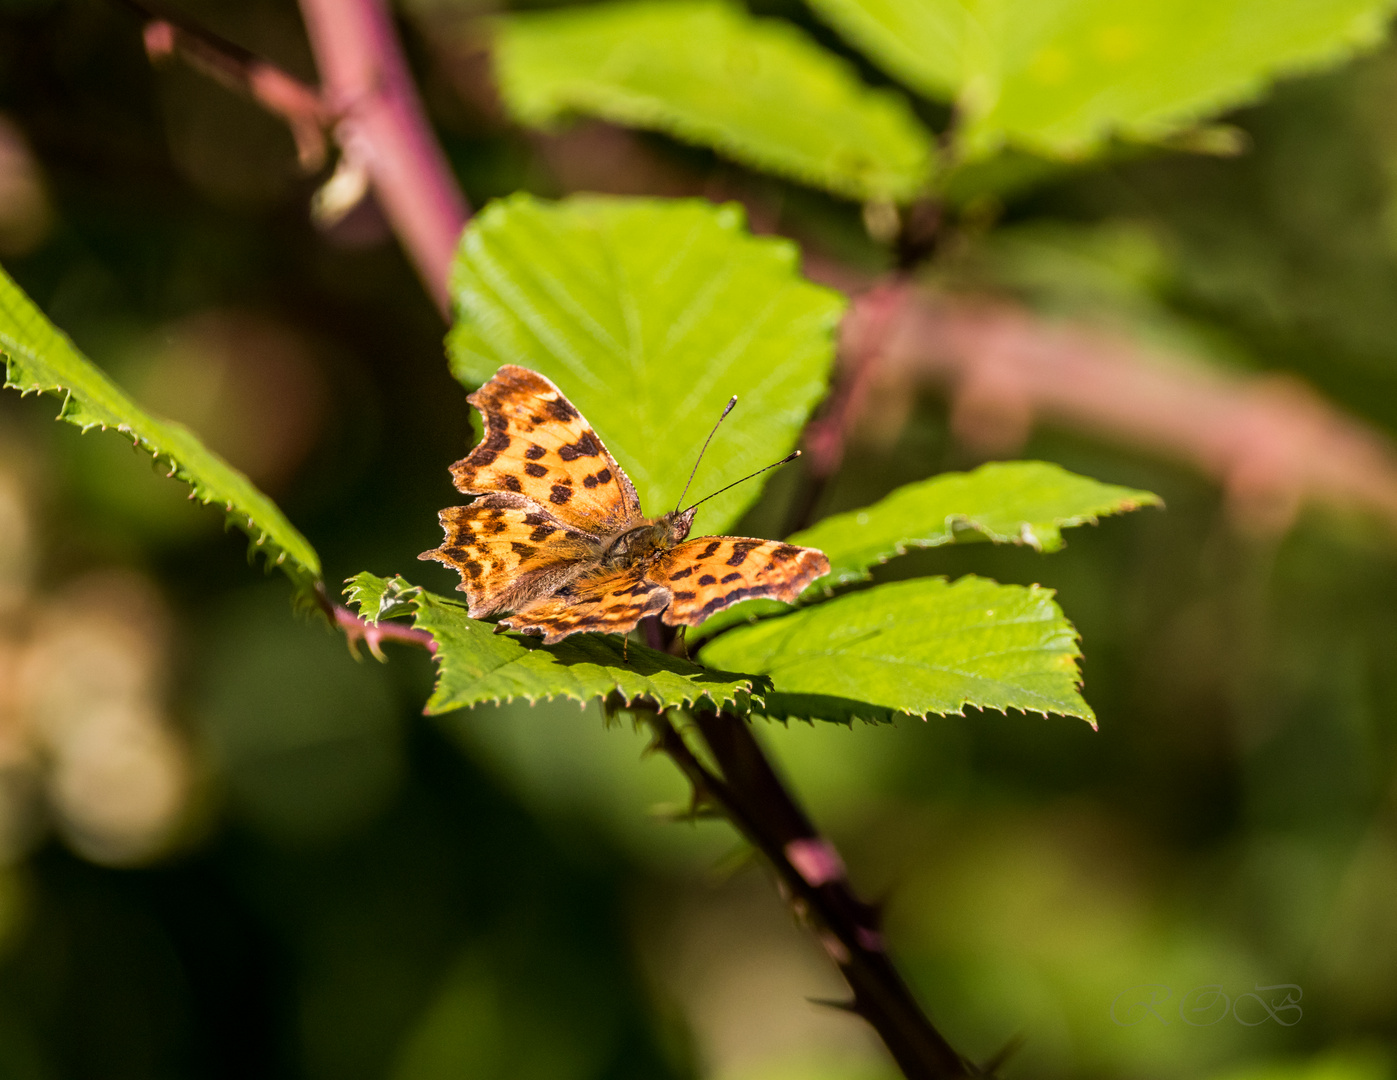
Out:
{"x": 706, "y": 72}
{"x": 359, "y": 892}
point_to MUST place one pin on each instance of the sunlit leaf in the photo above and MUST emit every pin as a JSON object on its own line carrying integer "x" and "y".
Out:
{"x": 475, "y": 664}
{"x": 1014, "y": 502}
{"x": 757, "y": 90}
{"x": 1059, "y": 78}
{"x": 914, "y": 647}
{"x": 41, "y": 359}
{"x": 649, "y": 314}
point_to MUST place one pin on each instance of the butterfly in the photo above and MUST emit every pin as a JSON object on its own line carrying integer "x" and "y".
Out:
{"x": 557, "y": 539}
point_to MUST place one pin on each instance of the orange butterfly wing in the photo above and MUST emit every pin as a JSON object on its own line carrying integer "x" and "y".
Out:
{"x": 551, "y": 499}
{"x": 711, "y": 573}
{"x": 538, "y": 445}
{"x": 605, "y": 601}
{"x": 510, "y": 552}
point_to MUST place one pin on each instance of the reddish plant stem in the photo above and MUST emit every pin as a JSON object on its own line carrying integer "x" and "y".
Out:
{"x": 372, "y": 634}
{"x": 167, "y": 35}
{"x": 383, "y": 129}
{"x": 369, "y": 100}
{"x": 1271, "y": 441}
{"x": 863, "y": 337}
{"x": 756, "y": 802}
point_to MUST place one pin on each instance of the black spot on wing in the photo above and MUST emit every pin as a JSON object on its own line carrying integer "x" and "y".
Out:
{"x": 587, "y": 446}
{"x": 561, "y": 409}
{"x": 708, "y": 579}
{"x": 682, "y": 574}
{"x": 522, "y": 550}
{"x": 685, "y": 595}
{"x": 640, "y": 588}
{"x": 720, "y": 602}
{"x": 534, "y": 519}
{"x": 541, "y": 532}
{"x": 739, "y": 551}
{"x": 710, "y": 549}
{"x": 728, "y": 579}
{"x": 560, "y": 494}
{"x": 498, "y": 438}
{"x": 535, "y": 470}
{"x": 511, "y": 482}
{"x": 534, "y": 452}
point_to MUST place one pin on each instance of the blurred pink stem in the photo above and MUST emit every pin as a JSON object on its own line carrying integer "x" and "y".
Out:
{"x": 383, "y": 129}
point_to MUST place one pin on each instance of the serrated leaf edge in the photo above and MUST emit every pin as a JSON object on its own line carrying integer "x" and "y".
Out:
{"x": 740, "y": 701}
{"x": 304, "y": 577}
{"x": 886, "y": 714}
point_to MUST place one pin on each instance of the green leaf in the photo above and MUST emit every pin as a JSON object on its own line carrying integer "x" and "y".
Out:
{"x": 758, "y": 90}
{"x": 649, "y": 314}
{"x": 39, "y": 358}
{"x": 475, "y": 664}
{"x": 1012, "y": 502}
{"x": 914, "y": 647}
{"x": 381, "y": 598}
{"x": 1060, "y": 78}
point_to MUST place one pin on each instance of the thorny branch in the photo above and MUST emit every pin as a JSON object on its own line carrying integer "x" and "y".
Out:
{"x": 753, "y": 798}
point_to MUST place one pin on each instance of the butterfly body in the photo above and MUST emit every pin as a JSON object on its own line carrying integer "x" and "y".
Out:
{"x": 557, "y": 537}
{"x": 644, "y": 541}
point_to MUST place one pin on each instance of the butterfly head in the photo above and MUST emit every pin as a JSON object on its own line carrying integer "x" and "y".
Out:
{"x": 645, "y": 540}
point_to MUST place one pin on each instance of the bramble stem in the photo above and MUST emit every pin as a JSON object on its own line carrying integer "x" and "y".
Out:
{"x": 373, "y": 635}
{"x": 382, "y": 125}
{"x": 753, "y": 798}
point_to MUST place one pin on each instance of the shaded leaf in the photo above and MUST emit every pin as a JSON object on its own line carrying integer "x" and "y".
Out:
{"x": 1015, "y": 502}
{"x": 914, "y": 647}
{"x": 475, "y": 664}
{"x": 1060, "y": 78}
{"x": 41, "y": 359}
{"x": 649, "y": 314}
{"x": 757, "y": 90}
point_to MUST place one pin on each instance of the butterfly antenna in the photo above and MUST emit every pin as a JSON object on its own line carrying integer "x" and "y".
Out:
{"x": 728, "y": 409}
{"x": 789, "y": 457}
